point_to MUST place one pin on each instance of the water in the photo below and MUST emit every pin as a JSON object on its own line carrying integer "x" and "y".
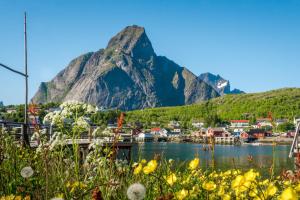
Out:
{"x": 225, "y": 156}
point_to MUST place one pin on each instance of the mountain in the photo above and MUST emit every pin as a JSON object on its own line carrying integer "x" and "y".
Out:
{"x": 127, "y": 75}
{"x": 1, "y": 104}
{"x": 282, "y": 104}
{"x": 221, "y": 85}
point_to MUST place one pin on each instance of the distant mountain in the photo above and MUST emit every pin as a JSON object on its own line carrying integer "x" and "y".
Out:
{"x": 128, "y": 75}
{"x": 1, "y": 104}
{"x": 221, "y": 85}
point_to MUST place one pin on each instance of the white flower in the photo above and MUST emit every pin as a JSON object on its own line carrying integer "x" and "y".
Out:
{"x": 57, "y": 140}
{"x": 90, "y": 109}
{"x": 26, "y": 172}
{"x": 82, "y": 123}
{"x": 136, "y": 192}
{"x": 44, "y": 131}
{"x": 35, "y": 136}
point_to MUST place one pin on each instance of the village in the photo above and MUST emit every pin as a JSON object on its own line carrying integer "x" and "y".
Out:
{"x": 234, "y": 132}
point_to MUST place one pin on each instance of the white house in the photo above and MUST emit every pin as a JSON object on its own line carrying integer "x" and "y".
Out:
{"x": 174, "y": 124}
{"x": 11, "y": 110}
{"x": 239, "y": 123}
{"x": 177, "y": 130}
{"x": 197, "y": 124}
{"x": 263, "y": 122}
{"x": 145, "y": 137}
{"x": 159, "y": 131}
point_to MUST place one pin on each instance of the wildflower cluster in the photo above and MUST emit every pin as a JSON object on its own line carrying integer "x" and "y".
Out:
{"x": 71, "y": 113}
{"x": 194, "y": 183}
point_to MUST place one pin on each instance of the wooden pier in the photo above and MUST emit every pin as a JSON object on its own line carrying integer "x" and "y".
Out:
{"x": 123, "y": 149}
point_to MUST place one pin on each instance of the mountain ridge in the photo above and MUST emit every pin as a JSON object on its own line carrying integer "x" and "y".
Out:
{"x": 283, "y": 103}
{"x": 127, "y": 75}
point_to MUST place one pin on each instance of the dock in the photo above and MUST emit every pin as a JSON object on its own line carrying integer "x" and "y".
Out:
{"x": 123, "y": 149}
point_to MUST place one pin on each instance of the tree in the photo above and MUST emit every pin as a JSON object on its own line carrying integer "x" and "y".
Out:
{"x": 212, "y": 120}
{"x": 284, "y": 127}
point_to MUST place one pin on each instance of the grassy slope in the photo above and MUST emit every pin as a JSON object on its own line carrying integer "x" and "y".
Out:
{"x": 282, "y": 103}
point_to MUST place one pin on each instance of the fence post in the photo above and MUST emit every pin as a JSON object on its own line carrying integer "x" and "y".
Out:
{"x": 25, "y": 139}
{"x": 3, "y": 127}
{"x": 50, "y": 131}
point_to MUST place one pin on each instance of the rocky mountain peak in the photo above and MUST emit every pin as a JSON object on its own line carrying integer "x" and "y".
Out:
{"x": 132, "y": 40}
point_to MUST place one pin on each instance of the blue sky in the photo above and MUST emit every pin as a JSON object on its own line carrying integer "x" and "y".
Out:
{"x": 253, "y": 43}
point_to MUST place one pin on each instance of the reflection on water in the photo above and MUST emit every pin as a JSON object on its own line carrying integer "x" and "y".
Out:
{"x": 225, "y": 156}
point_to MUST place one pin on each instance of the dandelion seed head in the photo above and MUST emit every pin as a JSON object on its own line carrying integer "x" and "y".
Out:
{"x": 136, "y": 191}
{"x": 26, "y": 172}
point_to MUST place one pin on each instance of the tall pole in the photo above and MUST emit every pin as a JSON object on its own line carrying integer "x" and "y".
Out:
{"x": 26, "y": 84}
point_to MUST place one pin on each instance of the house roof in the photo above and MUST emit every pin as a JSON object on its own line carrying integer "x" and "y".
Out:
{"x": 217, "y": 129}
{"x": 240, "y": 121}
{"x": 155, "y": 129}
{"x": 264, "y": 119}
{"x": 252, "y": 131}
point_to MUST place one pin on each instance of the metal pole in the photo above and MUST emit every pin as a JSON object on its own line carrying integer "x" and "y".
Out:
{"x": 26, "y": 84}
{"x": 10, "y": 69}
{"x": 295, "y": 141}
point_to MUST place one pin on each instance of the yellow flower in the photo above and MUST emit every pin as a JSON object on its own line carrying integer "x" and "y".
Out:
{"x": 82, "y": 185}
{"x": 182, "y": 194}
{"x": 297, "y": 188}
{"x": 171, "y": 179}
{"x": 68, "y": 184}
{"x": 271, "y": 190}
{"x": 18, "y": 198}
{"x": 138, "y": 169}
{"x": 237, "y": 182}
{"x": 221, "y": 191}
{"x": 253, "y": 193}
{"x": 150, "y": 167}
{"x": 210, "y": 186}
{"x": 194, "y": 164}
{"x": 240, "y": 184}
{"x": 288, "y": 194}
{"x": 287, "y": 183}
{"x": 144, "y": 161}
{"x": 250, "y": 175}
{"x": 10, "y": 197}
{"x": 227, "y": 173}
{"x": 76, "y": 184}
{"x": 226, "y": 197}
{"x": 265, "y": 182}
{"x": 236, "y": 172}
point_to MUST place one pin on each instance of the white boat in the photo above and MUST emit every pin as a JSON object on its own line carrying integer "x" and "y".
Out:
{"x": 256, "y": 144}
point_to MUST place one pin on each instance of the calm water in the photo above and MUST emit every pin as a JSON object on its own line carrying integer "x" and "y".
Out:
{"x": 225, "y": 156}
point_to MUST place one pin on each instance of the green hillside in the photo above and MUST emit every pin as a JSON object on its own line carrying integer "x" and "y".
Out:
{"x": 282, "y": 103}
